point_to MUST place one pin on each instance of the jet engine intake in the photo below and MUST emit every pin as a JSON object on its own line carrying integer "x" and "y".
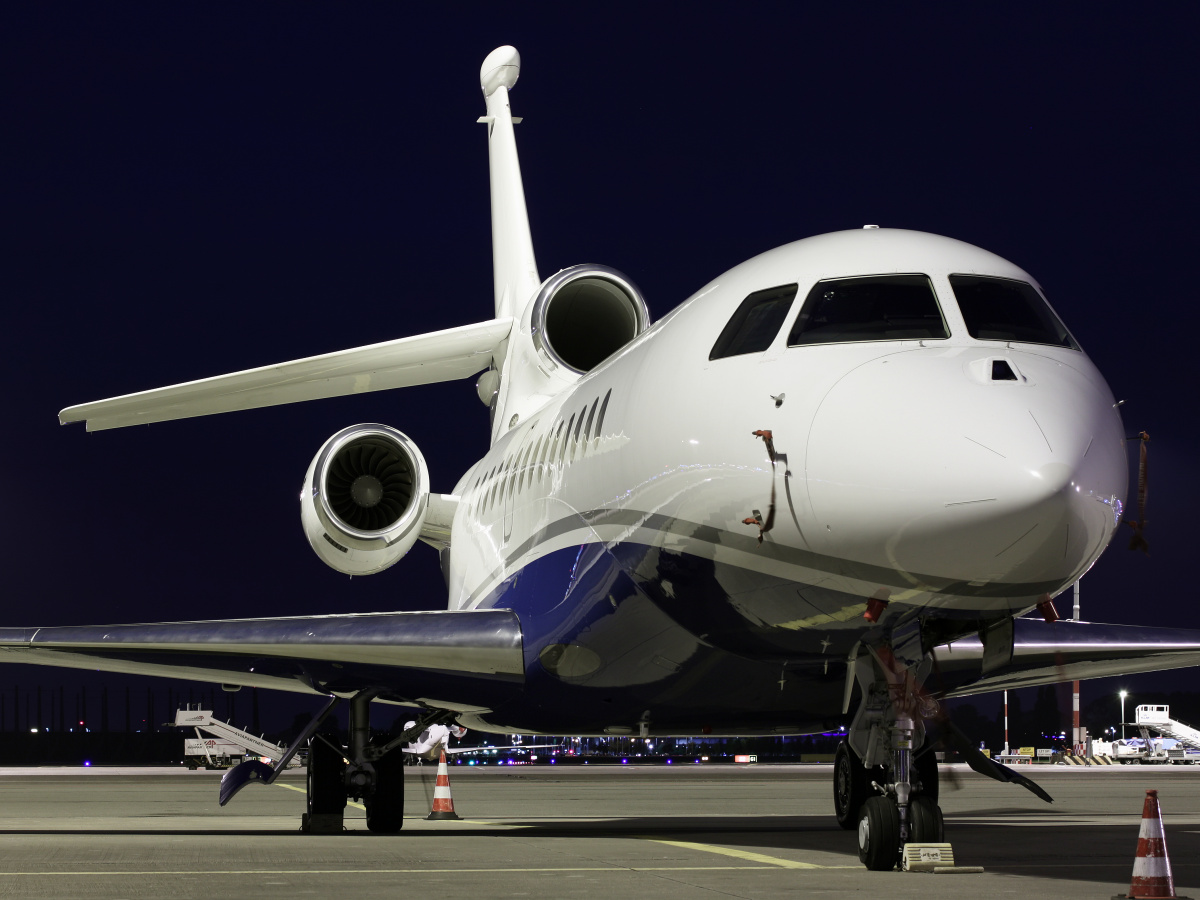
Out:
{"x": 364, "y": 499}
{"x": 585, "y": 314}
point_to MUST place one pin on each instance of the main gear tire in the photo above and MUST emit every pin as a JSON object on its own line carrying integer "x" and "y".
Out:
{"x": 385, "y": 803}
{"x": 326, "y": 779}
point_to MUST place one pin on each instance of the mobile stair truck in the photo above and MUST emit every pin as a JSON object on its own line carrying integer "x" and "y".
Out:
{"x": 227, "y": 746}
{"x": 1186, "y": 739}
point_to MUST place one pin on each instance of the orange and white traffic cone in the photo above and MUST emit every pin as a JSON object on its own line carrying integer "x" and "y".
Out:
{"x": 1152, "y": 867}
{"x": 443, "y": 803}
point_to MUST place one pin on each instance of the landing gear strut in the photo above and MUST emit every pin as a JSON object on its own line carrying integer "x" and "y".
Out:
{"x": 885, "y": 780}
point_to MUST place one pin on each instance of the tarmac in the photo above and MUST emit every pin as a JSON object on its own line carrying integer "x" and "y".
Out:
{"x": 756, "y": 831}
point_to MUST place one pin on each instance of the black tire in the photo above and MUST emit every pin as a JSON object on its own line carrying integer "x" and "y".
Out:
{"x": 851, "y": 785}
{"x": 925, "y": 823}
{"x": 879, "y": 834}
{"x": 326, "y": 779}
{"x": 385, "y": 803}
{"x": 925, "y": 762}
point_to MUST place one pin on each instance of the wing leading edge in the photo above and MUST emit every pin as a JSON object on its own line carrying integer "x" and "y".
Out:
{"x": 470, "y": 658}
{"x": 1037, "y": 653}
{"x": 438, "y": 356}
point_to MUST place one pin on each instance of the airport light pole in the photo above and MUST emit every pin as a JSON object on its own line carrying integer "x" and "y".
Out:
{"x": 1123, "y": 695}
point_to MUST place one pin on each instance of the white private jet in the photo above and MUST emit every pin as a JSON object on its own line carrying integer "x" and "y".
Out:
{"x": 818, "y": 493}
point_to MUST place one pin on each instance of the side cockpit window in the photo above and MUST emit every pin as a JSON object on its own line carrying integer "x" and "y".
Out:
{"x": 1002, "y": 309}
{"x": 874, "y": 308}
{"x": 756, "y": 322}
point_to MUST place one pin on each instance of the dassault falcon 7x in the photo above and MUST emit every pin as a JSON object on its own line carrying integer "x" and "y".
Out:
{"x": 866, "y": 456}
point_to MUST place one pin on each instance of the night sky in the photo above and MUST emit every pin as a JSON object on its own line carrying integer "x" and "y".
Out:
{"x": 197, "y": 188}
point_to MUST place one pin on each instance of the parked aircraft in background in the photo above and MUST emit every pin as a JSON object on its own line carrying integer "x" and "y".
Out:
{"x": 817, "y": 493}
{"x": 434, "y": 740}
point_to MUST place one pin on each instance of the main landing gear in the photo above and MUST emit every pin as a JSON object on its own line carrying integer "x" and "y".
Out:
{"x": 885, "y": 779}
{"x": 366, "y": 771}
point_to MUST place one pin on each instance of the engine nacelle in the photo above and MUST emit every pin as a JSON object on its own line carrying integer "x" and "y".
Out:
{"x": 585, "y": 314}
{"x": 364, "y": 499}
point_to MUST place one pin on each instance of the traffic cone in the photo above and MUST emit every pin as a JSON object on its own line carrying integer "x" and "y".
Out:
{"x": 443, "y": 803}
{"x": 1152, "y": 867}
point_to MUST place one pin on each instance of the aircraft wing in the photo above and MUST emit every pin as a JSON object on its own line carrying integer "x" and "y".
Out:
{"x": 1049, "y": 653}
{"x": 438, "y": 356}
{"x": 461, "y": 660}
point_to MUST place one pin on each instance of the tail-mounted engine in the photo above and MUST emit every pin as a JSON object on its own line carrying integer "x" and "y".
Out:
{"x": 364, "y": 499}
{"x": 584, "y": 314}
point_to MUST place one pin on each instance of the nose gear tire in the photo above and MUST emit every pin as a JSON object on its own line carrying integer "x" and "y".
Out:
{"x": 926, "y": 824}
{"x": 879, "y": 834}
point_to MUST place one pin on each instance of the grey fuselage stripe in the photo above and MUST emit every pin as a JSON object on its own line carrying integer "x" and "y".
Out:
{"x": 749, "y": 544}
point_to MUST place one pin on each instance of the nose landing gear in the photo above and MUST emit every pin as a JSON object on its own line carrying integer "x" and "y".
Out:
{"x": 885, "y": 778}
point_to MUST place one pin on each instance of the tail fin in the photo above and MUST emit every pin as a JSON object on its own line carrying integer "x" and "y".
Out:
{"x": 516, "y": 276}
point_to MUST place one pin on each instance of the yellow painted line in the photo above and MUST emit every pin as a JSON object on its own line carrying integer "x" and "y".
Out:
{"x": 292, "y": 787}
{"x": 747, "y": 855}
{"x": 458, "y": 871}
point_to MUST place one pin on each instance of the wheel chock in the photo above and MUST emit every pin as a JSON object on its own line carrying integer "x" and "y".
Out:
{"x": 925, "y": 857}
{"x": 321, "y": 823}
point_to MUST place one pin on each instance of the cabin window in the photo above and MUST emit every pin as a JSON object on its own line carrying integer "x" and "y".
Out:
{"x": 875, "y": 308}
{"x": 566, "y": 439}
{"x": 587, "y": 429}
{"x": 756, "y": 322}
{"x": 575, "y": 436}
{"x": 603, "y": 409}
{"x": 554, "y": 447}
{"x": 524, "y": 468}
{"x": 1003, "y": 309}
{"x": 535, "y": 463}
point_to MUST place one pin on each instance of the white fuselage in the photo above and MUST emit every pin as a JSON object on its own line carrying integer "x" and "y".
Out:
{"x": 906, "y": 472}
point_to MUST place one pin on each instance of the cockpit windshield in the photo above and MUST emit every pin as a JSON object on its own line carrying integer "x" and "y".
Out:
{"x": 875, "y": 308}
{"x": 1001, "y": 309}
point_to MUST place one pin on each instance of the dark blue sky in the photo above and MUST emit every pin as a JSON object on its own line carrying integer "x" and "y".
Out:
{"x": 194, "y": 188}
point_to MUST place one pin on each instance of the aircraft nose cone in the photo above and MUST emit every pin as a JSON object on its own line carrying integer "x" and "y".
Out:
{"x": 926, "y": 463}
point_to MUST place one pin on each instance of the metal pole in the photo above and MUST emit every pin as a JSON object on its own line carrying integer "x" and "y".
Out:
{"x": 1076, "y": 735}
{"x": 1123, "y": 715}
{"x": 1006, "y": 723}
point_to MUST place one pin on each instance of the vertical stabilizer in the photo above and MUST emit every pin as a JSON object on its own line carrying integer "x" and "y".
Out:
{"x": 516, "y": 277}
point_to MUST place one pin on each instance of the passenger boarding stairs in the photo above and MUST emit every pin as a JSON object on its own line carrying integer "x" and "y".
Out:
{"x": 1159, "y": 719}
{"x": 202, "y": 719}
